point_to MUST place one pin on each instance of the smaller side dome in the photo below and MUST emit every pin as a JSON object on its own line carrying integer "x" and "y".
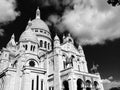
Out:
{"x": 28, "y": 35}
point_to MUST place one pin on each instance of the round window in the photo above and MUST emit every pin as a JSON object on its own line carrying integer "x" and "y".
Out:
{"x": 32, "y": 63}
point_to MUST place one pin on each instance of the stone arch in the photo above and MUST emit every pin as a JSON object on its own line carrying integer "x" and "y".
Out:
{"x": 88, "y": 85}
{"x": 96, "y": 84}
{"x": 65, "y": 85}
{"x": 79, "y": 84}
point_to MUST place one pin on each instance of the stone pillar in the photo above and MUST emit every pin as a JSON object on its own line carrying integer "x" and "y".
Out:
{"x": 72, "y": 84}
{"x": 26, "y": 82}
{"x": 57, "y": 81}
{"x": 7, "y": 82}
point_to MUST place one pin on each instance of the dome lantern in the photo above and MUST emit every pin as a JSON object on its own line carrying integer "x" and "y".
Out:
{"x": 38, "y": 13}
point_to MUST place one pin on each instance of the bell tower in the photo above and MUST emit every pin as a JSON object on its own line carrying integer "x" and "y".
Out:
{"x": 57, "y": 64}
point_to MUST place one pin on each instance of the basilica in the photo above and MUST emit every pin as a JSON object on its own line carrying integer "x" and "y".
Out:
{"x": 36, "y": 62}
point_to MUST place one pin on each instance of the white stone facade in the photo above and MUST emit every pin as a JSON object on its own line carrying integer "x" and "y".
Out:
{"x": 34, "y": 64}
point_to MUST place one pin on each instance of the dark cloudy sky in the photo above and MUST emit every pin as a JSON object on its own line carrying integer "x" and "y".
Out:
{"x": 92, "y": 23}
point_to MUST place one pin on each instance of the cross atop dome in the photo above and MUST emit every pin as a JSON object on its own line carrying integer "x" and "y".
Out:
{"x": 38, "y": 13}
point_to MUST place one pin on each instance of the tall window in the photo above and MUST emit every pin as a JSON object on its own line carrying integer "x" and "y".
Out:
{"x": 41, "y": 43}
{"x": 32, "y": 88}
{"x": 25, "y": 46}
{"x": 79, "y": 67}
{"x": 45, "y": 44}
{"x": 41, "y": 84}
{"x": 33, "y": 48}
{"x": 37, "y": 85}
{"x": 48, "y": 46}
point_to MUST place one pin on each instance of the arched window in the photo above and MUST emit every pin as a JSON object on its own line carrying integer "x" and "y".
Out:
{"x": 79, "y": 84}
{"x": 71, "y": 59}
{"x": 25, "y": 46}
{"x": 48, "y": 46}
{"x": 33, "y": 48}
{"x": 41, "y": 43}
{"x": 45, "y": 44}
{"x": 70, "y": 40}
{"x": 65, "y": 85}
{"x": 64, "y": 61}
{"x": 88, "y": 85}
{"x": 96, "y": 85}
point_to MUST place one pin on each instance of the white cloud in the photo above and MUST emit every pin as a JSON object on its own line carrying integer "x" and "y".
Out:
{"x": 92, "y": 22}
{"x": 7, "y": 10}
{"x": 108, "y": 84}
{"x": 106, "y": 81}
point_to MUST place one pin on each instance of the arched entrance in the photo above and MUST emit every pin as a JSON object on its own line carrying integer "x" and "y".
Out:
{"x": 88, "y": 85}
{"x": 65, "y": 85}
{"x": 79, "y": 84}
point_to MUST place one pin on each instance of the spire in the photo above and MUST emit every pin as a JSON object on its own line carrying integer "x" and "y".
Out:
{"x": 64, "y": 38}
{"x": 69, "y": 39}
{"x": 11, "y": 43}
{"x": 13, "y": 36}
{"x": 56, "y": 37}
{"x": 29, "y": 24}
{"x": 38, "y": 13}
{"x": 69, "y": 35}
{"x": 79, "y": 47}
{"x": 56, "y": 41}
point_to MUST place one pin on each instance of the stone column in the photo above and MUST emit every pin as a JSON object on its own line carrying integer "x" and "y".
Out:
{"x": 57, "y": 81}
{"x": 7, "y": 82}
{"x": 72, "y": 84}
{"x": 26, "y": 82}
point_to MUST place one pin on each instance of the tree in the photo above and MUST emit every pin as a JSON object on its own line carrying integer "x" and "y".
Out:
{"x": 115, "y": 88}
{"x": 114, "y": 2}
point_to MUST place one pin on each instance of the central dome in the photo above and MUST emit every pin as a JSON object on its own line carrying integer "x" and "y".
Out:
{"x": 37, "y": 23}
